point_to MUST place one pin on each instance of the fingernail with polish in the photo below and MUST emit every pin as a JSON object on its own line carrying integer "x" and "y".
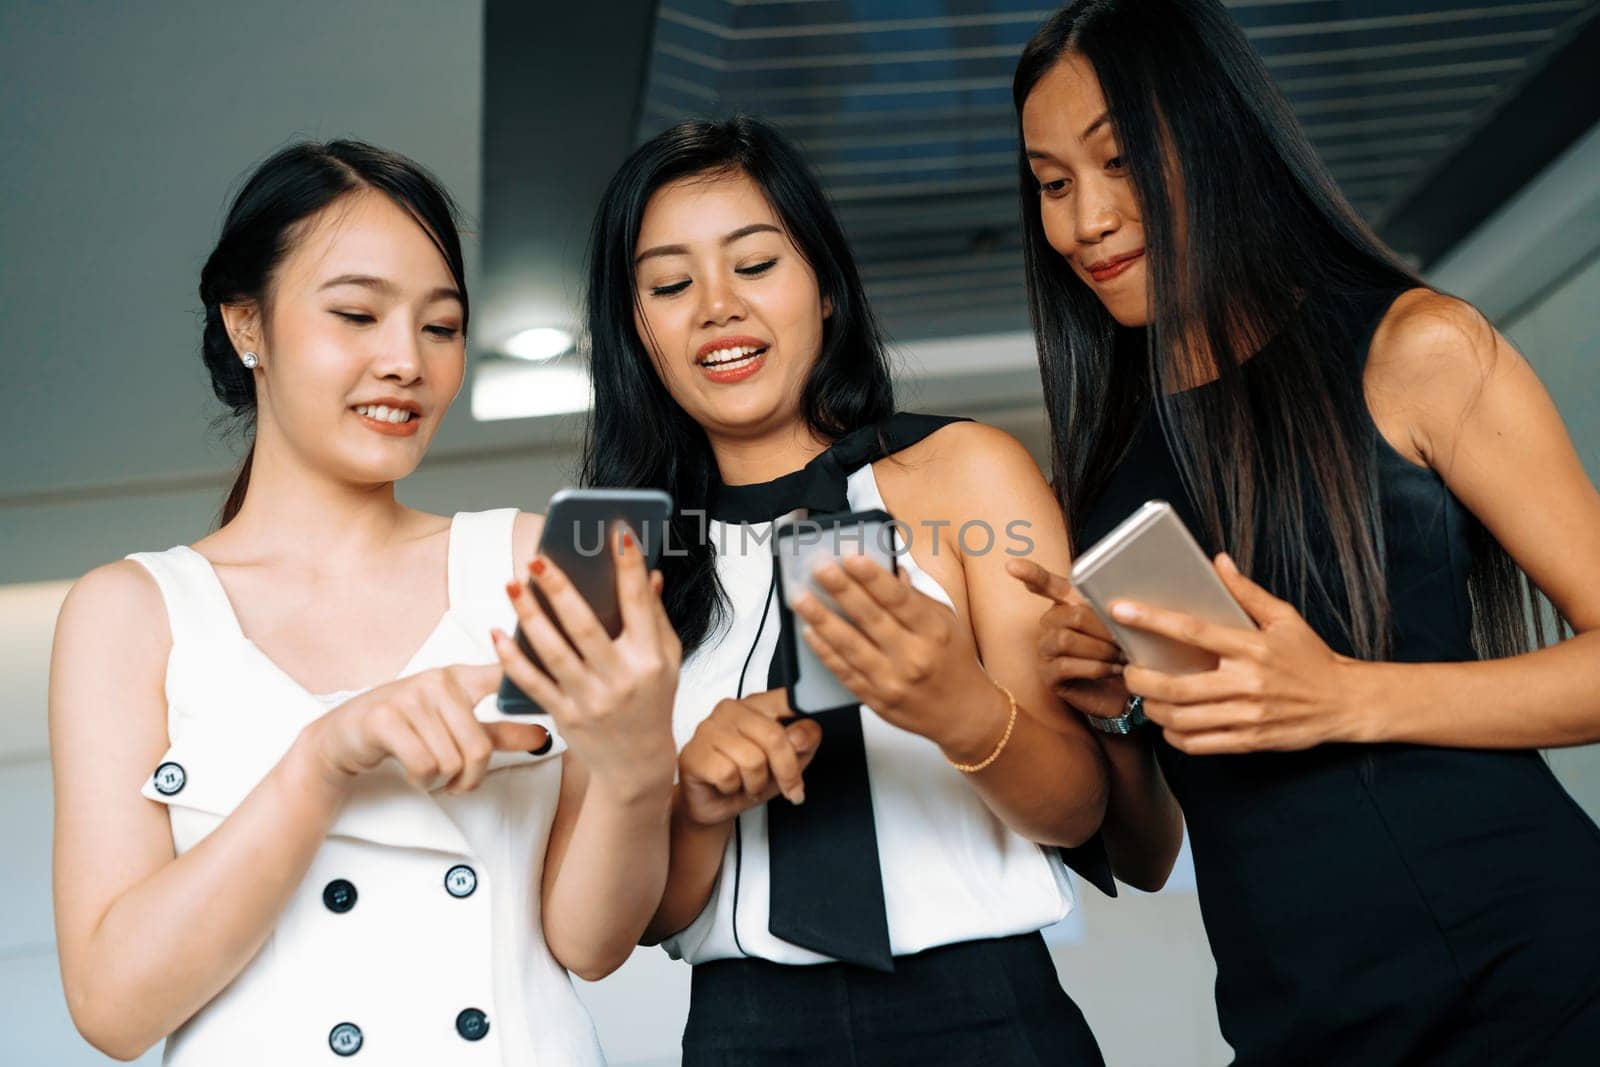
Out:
{"x": 1125, "y": 612}
{"x": 513, "y": 587}
{"x": 537, "y": 566}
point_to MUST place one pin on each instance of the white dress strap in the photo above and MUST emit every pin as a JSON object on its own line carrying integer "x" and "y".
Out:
{"x": 481, "y": 561}
{"x": 198, "y": 608}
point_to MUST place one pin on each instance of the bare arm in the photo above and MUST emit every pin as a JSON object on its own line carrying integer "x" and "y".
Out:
{"x": 606, "y": 860}
{"x": 1050, "y": 784}
{"x": 605, "y": 870}
{"x": 740, "y": 757}
{"x": 1143, "y": 831}
{"x": 147, "y": 939}
{"x": 1080, "y": 662}
{"x": 696, "y": 861}
{"x": 1481, "y": 418}
{"x": 1450, "y": 393}
{"x": 928, "y": 669}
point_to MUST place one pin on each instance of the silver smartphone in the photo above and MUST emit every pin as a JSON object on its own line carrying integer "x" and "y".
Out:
{"x": 799, "y": 548}
{"x": 580, "y": 526}
{"x": 1151, "y": 557}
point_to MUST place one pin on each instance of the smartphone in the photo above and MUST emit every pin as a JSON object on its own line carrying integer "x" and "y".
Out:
{"x": 1151, "y": 557}
{"x": 580, "y": 528}
{"x": 798, "y": 549}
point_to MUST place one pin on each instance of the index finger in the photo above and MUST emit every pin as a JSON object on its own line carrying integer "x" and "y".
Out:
{"x": 782, "y": 758}
{"x": 1041, "y": 582}
{"x": 774, "y": 703}
{"x": 1185, "y": 628}
{"x": 477, "y": 680}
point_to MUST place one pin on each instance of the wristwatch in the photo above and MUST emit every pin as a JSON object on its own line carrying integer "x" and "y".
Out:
{"x": 1131, "y": 719}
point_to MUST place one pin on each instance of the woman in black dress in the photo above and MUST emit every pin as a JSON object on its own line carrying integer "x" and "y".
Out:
{"x": 1388, "y": 871}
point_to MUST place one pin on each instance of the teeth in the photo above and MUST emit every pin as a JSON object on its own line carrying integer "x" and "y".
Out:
{"x": 383, "y": 413}
{"x": 730, "y": 355}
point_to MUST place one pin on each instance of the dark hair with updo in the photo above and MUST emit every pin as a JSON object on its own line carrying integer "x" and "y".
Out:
{"x": 263, "y": 222}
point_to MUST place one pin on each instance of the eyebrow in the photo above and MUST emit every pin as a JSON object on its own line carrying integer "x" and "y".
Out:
{"x": 683, "y": 250}
{"x": 1088, "y": 131}
{"x": 388, "y": 288}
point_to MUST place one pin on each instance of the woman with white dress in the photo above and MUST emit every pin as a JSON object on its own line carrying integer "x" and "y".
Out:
{"x": 341, "y": 848}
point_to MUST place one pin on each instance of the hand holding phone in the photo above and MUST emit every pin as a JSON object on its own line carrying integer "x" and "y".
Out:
{"x": 1151, "y": 557}
{"x": 798, "y": 549}
{"x": 880, "y": 642}
{"x": 610, "y": 697}
{"x": 580, "y": 527}
{"x": 1270, "y": 681}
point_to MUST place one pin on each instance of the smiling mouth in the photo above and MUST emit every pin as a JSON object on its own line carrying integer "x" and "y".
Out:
{"x": 732, "y": 357}
{"x": 1107, "y": 269}
{"x": 382, "y": 413}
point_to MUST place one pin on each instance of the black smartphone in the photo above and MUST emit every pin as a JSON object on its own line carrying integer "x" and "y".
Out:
{"x": 580, "y": 527}
{"x": 799, "y": 548}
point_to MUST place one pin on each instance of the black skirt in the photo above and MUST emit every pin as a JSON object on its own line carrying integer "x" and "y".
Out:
{"x": 995, "y": 1001}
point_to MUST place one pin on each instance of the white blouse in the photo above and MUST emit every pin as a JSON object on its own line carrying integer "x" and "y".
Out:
{"x": 415, "y": 936}
{"x": 952, "y": 871}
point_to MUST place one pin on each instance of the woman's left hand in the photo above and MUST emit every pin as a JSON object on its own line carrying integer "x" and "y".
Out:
{"x": 1278, "y": 688}
{"x": 902, "y": 653}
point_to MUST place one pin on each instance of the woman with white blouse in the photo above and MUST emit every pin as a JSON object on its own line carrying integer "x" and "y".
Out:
{"x": 342, "y": 849}
{"x": 866, "y": 885}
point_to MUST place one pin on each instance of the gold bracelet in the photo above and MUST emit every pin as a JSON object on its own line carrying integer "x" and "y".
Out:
{"x": 1011, "y": 722}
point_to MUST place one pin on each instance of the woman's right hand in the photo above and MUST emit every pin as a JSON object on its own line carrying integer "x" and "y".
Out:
{"x": 424, "y": 722}
{"x": 1078, "y": 658}
{"x": 741, "y": 756}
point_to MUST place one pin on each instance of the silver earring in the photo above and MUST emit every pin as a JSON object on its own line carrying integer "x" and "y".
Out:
{"x": 250, "y": 360}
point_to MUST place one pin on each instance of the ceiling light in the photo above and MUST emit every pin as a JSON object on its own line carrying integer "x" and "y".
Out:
{"x": 539, "y": 343}
{"x": 506, "y": 389}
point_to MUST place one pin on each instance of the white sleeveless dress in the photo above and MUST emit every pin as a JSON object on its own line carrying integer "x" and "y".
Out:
{"x": 416, "y": 935}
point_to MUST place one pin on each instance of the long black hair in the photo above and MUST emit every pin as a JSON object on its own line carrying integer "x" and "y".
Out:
{"x": 263, "y": 222}
{"x": 1282, "y": 459}
{"x": 638, "y": 436}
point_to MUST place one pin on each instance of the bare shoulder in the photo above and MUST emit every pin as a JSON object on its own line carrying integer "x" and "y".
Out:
{"x": 968, "y": 473}
{"x": 1433, "y": 358}
{"x": 112, "y": 641}
{"x": 120, "y": 597}
{"x": 967, "y": 457}
{"x": 1431, "y": 341}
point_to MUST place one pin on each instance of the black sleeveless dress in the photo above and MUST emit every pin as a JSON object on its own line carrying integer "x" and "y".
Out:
{"x": 1387, "y": 904}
